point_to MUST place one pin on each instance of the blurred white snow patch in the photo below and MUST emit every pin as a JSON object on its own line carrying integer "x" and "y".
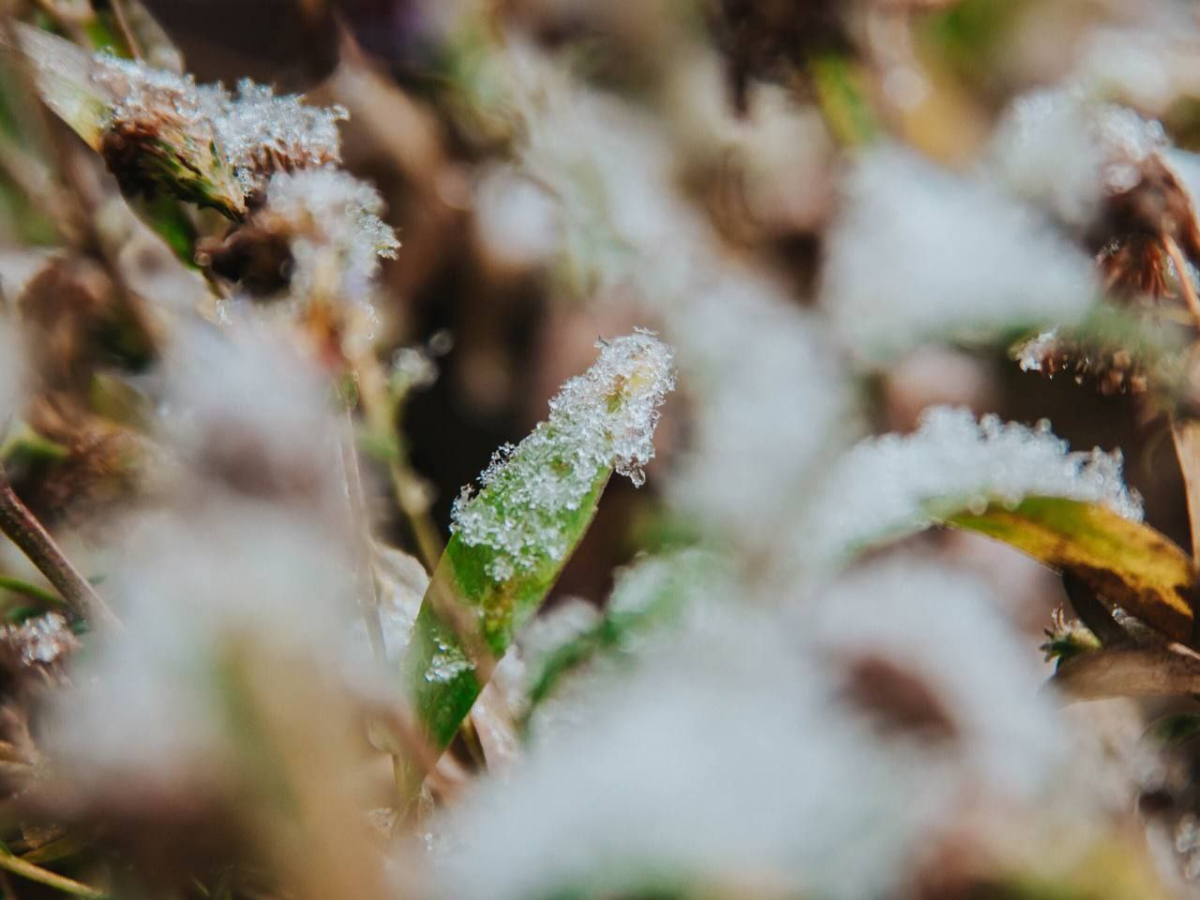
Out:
{"x": 920, "y": 253}
{"x": 719, "y": 757}
{"x": 1065, "y": 153}
{"x": 245, "y": 407}
{"x": 610, "y": 168}
{"x": 892, "y": 485}
{"x": 770, "y": 401}
{"x": 516, "y": 220}
{"x": 945, "y": 627}
{"x": 1141, "y": 66}
{"x": 194, "y": 587}
{"x": 12, "y": 371}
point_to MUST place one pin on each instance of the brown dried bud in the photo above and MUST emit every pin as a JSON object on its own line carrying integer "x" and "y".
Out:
{"x": 38, "y": 649}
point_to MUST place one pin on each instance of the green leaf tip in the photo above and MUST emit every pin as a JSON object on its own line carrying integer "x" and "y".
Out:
{"x": 600, "y": 421}
{"x": 536, "y": 500}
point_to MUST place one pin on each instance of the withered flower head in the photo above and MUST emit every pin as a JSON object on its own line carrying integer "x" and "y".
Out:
{"x": 159, "y": 136}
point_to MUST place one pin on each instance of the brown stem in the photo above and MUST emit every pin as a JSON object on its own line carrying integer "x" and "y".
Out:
{"x": 1186, "y": 433}
{"x": 1185, "y": 281}
{"x": 1170, "y": 670}
{"x": 127, "y": 35}
{"x": 23, "y": 529}
{"x": 1092, "y": 612}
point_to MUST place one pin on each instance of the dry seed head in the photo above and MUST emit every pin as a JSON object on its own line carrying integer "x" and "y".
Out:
{"x": 158, "y": 134}
{"x": 263, "y": 134}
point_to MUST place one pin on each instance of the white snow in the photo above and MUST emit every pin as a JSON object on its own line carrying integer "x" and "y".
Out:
{"x": 919, "y": 253}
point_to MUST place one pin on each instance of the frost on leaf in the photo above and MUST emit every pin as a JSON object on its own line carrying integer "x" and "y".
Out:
{"x": 601, "y": 420}
{"x": 894, "y": 484}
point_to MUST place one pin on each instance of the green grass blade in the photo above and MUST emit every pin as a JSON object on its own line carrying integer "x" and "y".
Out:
{"x": 512, "y": 540}
{"x": 1127, "y": 562}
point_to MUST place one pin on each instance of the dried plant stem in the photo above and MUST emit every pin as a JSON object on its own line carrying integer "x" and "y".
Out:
{"x": 1186, "y": 433}
{"x": 1185, "y": 281}
{"x": 21, "y": 527}
{"x": 369, "y": 591}
{"x": 127, "y": 35}
{"x": 67, "y": 163}
{"x": 1092, "y": 612}
{"x": 18, "y": 866}
{"x": 380, "y": 414}
{"x": 1169, "y": 670}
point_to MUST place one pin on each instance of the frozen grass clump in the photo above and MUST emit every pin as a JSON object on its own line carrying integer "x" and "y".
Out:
{"x": 263, "y": 133}
{"x": 246, "y": 409}
{"x": 714, "y": 759}
{"x": 198, "y": 585}
{"x": 980, "y": 672}
{"x": 920, "y": 253}
{"x": 601, "y": 420}
{"x": 332, "y": 223}
{"x": 1066, "y": 154}
{"x": 895, "y": 484}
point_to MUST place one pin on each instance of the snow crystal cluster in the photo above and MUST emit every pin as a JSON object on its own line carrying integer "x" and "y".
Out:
{"x": 1065, "y": 153}
{"x": 601, "y": 420}
{"x": 262, "y": 133}
{"x": 336, "y": 236}
{"x": 277, "y": 146}
{"x": 894, "y": 484}
{"x": 918, "y": 252}
{"x": 142, "y": 92}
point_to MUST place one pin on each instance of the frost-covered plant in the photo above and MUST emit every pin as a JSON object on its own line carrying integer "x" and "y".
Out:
{"x": 792, "y": 689}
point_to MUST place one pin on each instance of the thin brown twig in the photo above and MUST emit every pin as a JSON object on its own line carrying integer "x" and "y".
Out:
{"x": 127, "y": 35}
{"x": 22, "y": 527}
{"x": 1185, "y": 280}
{"x": 1092, "y": 612}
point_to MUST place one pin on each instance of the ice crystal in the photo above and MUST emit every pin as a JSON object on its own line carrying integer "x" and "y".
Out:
{"x": 1031, "y": 355}
{"x": 262, "y": 133}
{"x": 919, "y": 252}
{"x": 603, "y": 419}
{"x": 143, "y": 91}
{"x": 895, "y": 483}
{"x": 332, "y": 223}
